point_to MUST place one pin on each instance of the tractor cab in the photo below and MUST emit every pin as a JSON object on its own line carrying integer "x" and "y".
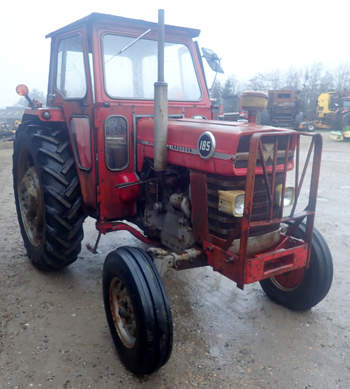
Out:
{"x": 102, "y": 73}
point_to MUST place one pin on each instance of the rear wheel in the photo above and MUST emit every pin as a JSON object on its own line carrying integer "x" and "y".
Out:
{"x": 137, "y": 310}
{"x": 301, "y": 289}
{"x": 47, "y": 195}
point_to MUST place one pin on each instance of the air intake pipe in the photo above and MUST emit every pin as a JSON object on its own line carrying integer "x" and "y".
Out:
{"x": 160, "y": 103}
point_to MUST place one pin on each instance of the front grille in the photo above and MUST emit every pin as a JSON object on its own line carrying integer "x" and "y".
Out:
{"x": 242, "y": 155}
{"x": 223, "y": 225}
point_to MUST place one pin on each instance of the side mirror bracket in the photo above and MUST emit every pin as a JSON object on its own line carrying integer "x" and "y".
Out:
{"x": 213, "y": 60}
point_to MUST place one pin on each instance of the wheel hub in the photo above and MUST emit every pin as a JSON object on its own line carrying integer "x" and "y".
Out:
{"x": 288, "y": 281}
{"x": 30, "y": 202}
{"x": 122, "y": 312}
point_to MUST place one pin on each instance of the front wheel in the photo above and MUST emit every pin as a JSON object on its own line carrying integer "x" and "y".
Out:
{"x": 302, "y": 289}
{"x": 137, "y": 310}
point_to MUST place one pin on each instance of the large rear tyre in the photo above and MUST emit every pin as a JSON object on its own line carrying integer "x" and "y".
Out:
{"x": 137, "y": 310}
{"x": 302, "y": 289}
{"x": 47, "y": 195}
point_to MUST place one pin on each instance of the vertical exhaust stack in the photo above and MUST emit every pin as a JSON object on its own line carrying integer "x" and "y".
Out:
{"x": 160, "y": 103}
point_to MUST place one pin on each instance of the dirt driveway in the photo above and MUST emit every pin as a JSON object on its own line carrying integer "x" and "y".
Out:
{"x": 53, "y": 332}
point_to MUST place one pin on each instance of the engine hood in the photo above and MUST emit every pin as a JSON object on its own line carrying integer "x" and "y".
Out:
{"x": 183, "y": 137}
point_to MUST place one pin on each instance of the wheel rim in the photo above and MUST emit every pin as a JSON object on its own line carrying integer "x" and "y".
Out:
{"x": 122, "y": 312}
{"x": 288, "y": 281}
{"x": 31, "y": 207}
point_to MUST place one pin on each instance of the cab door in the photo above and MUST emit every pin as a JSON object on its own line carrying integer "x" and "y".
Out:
{"x": 70, "y": 88}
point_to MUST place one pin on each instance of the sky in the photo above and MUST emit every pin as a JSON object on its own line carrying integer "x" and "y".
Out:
{"x": 249, "y": 35}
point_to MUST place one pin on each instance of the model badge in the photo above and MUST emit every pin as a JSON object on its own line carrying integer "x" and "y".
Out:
{"x": 206, "y": 145}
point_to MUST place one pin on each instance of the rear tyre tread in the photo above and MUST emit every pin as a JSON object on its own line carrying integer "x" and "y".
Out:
{"x": 50, "y": 152}
{"x": 52, "y": 155}
{"x": 67, "y": 166}
{"x": 62, "y": 147}
{"x": 59, "y": 177}
{"x": 58, "y": 197}
{"x": 47, "y": 138}
{"x": 71, "y": 188}
{"x": 75, "y": 208}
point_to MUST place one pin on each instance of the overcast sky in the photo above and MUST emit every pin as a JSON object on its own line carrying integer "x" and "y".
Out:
{"x": 250, "y": 35}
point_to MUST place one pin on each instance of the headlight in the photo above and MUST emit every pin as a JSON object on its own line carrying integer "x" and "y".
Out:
{"x": 231, "y": 202}
{"x": 288, "y": 195}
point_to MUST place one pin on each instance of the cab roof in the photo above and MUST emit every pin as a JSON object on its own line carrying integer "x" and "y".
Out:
{"x": 95, "y": 18}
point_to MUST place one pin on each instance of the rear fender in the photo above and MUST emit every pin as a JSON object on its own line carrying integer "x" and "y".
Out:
{"x": 44, "y": 115}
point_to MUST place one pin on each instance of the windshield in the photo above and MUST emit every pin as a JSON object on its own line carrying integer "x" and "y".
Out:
{"x": 132, "y": 73}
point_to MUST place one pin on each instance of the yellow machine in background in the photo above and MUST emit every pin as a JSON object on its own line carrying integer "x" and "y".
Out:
{"x": 327, "y": 104}
{"x": 331, "y": 112}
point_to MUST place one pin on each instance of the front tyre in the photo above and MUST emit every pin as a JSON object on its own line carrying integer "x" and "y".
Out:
{"x": 302, "y": 289}
{"x": 137, "y": 310}
{"x": 47, "y": 195}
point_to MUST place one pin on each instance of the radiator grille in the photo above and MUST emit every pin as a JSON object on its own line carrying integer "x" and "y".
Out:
{"x": 223, "y": 225}
{"x": 242, "y": 154}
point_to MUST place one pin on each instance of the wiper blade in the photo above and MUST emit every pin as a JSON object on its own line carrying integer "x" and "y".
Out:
{"x": 130, "y": 44}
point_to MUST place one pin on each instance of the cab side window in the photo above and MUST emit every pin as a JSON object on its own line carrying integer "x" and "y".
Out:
{"x": 71, "y": 77}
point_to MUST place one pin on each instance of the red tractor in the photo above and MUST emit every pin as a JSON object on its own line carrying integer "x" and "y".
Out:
{"x": 146, "y": 157}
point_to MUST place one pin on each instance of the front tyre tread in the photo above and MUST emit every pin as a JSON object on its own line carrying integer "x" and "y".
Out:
{"x": 317, "y": 278}
{"x": 153, "y": 344}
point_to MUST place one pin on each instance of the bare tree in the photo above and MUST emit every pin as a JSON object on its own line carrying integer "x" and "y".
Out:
{"x": 292, "y": 79}
{"x": 229, "y": 94}
{"x": 258, "y": 82}
{"x": 274, "y": 79}
{"x": 342, "y": 79}
{"x": 216, "y": 91}
{"x": 327, "y": 82}
{"x": 266, "y": 81}
{"x": 230, "y": 87}
{"x": 308, "y": 83}
{"x": 310, "y": 88}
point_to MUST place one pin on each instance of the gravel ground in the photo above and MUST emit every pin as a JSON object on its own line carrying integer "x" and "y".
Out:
{"x": 53, "y": 332}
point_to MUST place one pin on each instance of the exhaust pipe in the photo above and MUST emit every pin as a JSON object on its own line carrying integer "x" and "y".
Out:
{"x": 160, "y": 103}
